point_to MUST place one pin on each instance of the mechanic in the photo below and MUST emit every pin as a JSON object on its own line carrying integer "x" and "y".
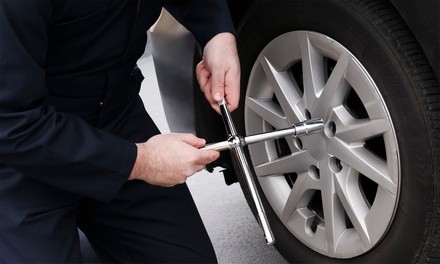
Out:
{"x": 77, "y": 148}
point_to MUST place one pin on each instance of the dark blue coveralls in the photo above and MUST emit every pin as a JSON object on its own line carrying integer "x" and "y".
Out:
{"x": 70, "y": 115}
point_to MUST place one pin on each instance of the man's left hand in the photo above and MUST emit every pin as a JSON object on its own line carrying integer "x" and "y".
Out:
{"x": 218, "y": 73}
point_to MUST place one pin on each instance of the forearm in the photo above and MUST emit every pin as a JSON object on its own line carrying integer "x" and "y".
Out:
{"x": 65, "y": 152}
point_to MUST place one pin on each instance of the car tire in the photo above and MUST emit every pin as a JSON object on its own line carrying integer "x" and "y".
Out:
{"x": 395, "y": 73}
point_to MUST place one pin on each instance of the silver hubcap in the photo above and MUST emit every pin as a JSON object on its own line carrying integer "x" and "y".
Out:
{"x": 336, "y": 191}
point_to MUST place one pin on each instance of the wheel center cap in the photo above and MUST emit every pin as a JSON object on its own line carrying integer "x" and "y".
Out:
{"x": 316, "y": 146}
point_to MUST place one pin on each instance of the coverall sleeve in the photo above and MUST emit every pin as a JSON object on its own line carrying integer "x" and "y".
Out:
{"x": 58, "y": 149}
{"x": 204, "y": 19}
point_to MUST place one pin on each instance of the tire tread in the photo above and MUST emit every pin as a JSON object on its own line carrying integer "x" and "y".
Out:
{"x": 392, "y": 26}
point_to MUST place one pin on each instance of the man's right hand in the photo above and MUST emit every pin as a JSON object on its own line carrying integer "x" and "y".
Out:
{"x": 169, "y": 159}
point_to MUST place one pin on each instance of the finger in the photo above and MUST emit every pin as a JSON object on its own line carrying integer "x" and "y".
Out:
{"x": 202, "y": 75}
{"x": 199, "y": 167}
{"x": 205, "y": 81}
{"x": 207, "y": 156}
{"x": 232, "y": 89}
{"x": 199, "y": 143}
{"x": 193, "y": 140}
{"x": 218, "y": 84}
{"x": 232, "y": 101}
{"x": 200, "y": 66}
{"x": 212, "y": 102}
{"x": 208, "y": 95}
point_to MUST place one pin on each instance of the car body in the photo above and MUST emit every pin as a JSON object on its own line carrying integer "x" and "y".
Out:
{"x": 370, "y": 183}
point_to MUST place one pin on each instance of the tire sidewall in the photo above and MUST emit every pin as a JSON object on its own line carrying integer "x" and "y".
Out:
{"x": 346, "y": 23}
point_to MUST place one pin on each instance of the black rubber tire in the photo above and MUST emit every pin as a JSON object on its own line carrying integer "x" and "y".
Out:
{"x": 374, "y": 32}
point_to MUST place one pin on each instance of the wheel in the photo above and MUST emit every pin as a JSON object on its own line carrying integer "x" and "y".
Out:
{"x": 366, "y": 188}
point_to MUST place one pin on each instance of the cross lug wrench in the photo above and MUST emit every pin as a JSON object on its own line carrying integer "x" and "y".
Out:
{"x": 311, "y": 126}
{"x": 236, "y": 143}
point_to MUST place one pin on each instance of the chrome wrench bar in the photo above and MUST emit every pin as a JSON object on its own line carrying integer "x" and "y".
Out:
{"x": 307, "y": 127}
{"x": 236, "y": 144}
{"x": 246, "y": 172}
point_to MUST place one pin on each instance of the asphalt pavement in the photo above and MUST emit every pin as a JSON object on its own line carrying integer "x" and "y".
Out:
{"x": 234, "y": 231}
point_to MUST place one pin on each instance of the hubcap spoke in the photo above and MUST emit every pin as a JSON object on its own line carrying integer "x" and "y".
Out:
{"x": 354, "y": 205}
{"x": 352, "y": 130}
{"x": 334, "y": 90}
{"x": 299, "y": 196}
{"x": 285, "y": 90}
{"x": 333, "y": 211}
{"x": 313, "y": 71}
{"x": 296, "y": 162}
{"x": 268, "y": 111}
{"x": 364, "y": 162}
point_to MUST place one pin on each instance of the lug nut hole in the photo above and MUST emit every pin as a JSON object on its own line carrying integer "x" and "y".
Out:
{"x": 298, "y": 143}
{"x": 307, "y": 114}
{"x": 314, "y": 172}
{"x": 331, "y": 129}
{"x": 335, "y": 165}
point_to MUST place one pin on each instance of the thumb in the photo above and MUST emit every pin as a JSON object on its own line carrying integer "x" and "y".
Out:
{"x": 217, "y": 85}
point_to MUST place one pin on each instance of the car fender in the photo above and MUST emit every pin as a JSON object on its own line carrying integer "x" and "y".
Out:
{"x": 172, "y": 50}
